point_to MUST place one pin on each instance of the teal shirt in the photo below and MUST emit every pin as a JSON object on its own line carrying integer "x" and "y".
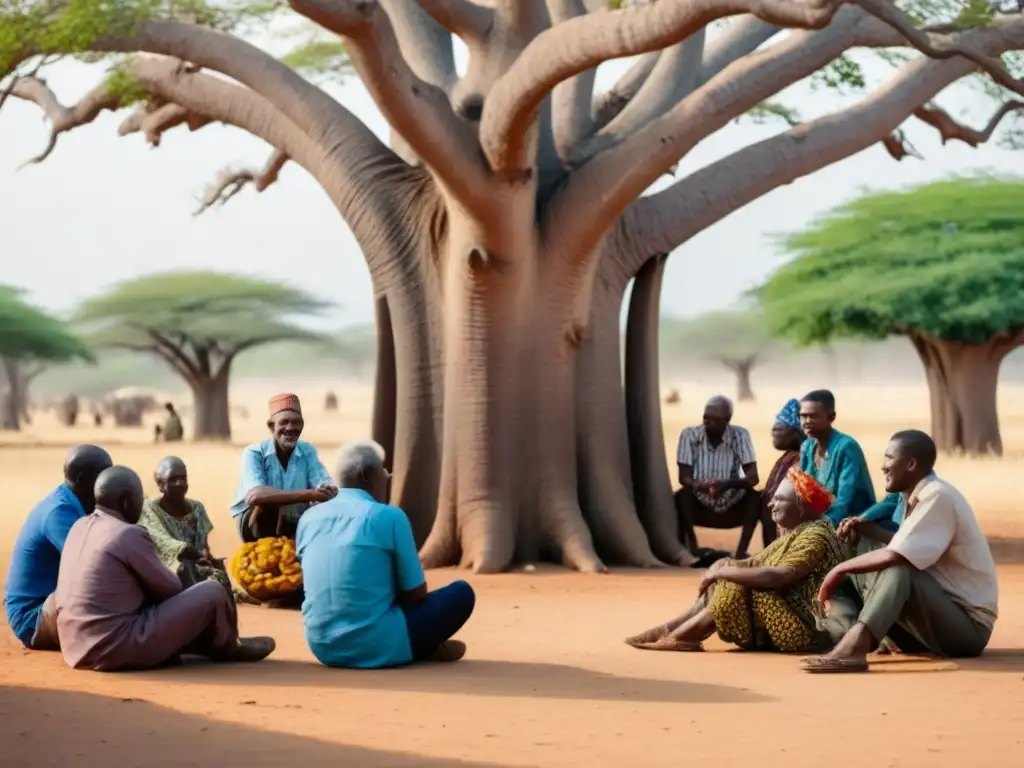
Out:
{"x": 844, "y": 472}
{"x": 357, "y": 555}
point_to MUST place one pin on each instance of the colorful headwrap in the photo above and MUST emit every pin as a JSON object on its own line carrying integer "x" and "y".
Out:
{"x": 789, "y": 416}
{"x": 284, "y": 401}
{"x": 811, "y": 493}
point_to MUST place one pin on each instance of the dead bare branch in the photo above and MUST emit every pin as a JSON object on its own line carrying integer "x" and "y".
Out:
{"x": 230, "y": 182}
{"x": 950, "y": 130}
{"x": 463, "y": 18}
{"x": 597, "y": 37}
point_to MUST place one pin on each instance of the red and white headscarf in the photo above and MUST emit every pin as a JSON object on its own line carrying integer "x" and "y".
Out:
{"x": 812, "y": 494}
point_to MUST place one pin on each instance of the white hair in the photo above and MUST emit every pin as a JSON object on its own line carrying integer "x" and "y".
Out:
{"x": 720, "y": 401}
{"x": 358, "y": 461}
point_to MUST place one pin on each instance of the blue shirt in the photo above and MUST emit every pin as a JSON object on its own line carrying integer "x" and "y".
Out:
{"x": 260, "y": 466}
{"x": 891, "y": 510}
{"x": 844, "y": 472}
{"x": 35, "y": 560}
{"x": 357, "y": 555}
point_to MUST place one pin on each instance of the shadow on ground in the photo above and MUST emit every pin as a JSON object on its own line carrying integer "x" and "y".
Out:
{"x": 468, "y": 677}
{"x": 60, "y": 728}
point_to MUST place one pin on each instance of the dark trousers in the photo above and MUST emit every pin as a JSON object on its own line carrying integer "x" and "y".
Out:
{"x": 439, "y": 616}
{"x": 745, "y": 514}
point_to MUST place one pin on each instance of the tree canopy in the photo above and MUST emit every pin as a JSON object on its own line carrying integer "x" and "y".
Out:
{"x": 725, "y": 336}
{"x": 945, "y": 260}
{"x": 28, "y": 333}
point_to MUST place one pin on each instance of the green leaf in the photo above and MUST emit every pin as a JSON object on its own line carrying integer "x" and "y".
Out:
{"x": 28, "y": 333}
{"x": 946, "y": 259}
{"x": 320, "y": 59}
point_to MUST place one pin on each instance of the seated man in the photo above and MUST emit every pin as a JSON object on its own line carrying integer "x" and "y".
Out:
{"x": 281, "y": 476}
{"x": 717, "y": 472}
{"x": 35, "y": 561}
{"x": 366, "y": 602}
{"x": 180, "y": 527}
{"x": 932, "y": 588}
{"x": 172, "y": 431}
{"x": 119, "y": 607}
{"x": 834, "y": 459}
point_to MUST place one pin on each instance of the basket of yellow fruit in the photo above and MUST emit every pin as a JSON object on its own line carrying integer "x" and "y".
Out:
{"x": 267, "y": 569}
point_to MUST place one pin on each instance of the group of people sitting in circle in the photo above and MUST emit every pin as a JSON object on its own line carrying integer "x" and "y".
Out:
{"x": 841, "y": 575}
{"x": 116, "y": 581}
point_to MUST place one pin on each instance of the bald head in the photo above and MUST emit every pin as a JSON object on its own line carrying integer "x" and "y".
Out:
{"x": 81, "y": 468}
{"x": 119, "y": 489}
{"x": 171, "y": 478}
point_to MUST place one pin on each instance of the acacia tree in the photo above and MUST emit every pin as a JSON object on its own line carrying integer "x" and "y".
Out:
{"x": 29, "y": 338}
{"x": 942, "y": 265}
{"x": 503, "y": 229}
{"x": 198, "y": 323}
{"x": 736, "y": 339}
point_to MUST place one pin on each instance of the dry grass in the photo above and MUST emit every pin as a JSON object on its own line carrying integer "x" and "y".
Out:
{"x": 30, "y": 462}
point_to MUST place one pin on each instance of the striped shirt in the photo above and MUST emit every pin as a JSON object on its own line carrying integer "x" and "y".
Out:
{"x": 722, "y": 462}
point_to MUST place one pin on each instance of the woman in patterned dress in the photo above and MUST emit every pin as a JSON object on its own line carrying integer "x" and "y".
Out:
{"x": 766, "y": 602}
{"x": 180, "y": 527}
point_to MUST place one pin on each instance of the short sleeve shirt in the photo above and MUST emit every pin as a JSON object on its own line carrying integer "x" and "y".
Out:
{"x": 260, "y": 466}
{"x": 722, "y": 462}
{"x": 357, "y": 555}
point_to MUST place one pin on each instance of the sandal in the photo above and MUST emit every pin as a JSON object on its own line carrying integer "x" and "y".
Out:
{"x": 830, "y": 666}
{"x": 682, "y": 646}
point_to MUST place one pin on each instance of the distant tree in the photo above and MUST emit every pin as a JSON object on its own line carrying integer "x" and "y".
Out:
{"x": 942, "y": 265}
{"x": 736, "y": 339}
{"x": 29, "y": 338}
{"x": 198, "y": 323}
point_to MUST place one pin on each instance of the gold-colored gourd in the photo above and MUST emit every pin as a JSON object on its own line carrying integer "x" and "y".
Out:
{"x": 267, "y": 569}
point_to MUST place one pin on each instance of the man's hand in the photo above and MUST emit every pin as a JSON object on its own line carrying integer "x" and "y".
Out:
{"x": 849, "y": 528}
{"x": 829, "y": 585}
{"x": 703, "y": 485}
{"x": 190, "y": 553}
{"x": 329, "y": 489}
{"x": 715, "y": 489}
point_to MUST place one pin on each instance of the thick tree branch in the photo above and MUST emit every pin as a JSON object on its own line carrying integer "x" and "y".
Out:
{"x": 610, "y": 103}
{"x": 949, "y": 129}
{"x": 624, "y": 172}
{"x": 154, "y": 120}
{"x": 425, "y": 43}
{"x": 464, "y": 18}
{"x": 579, "y": 44}
{"x": 571, "y": 100}
{"x": 420, "y": 112}
{"x": 230, "y": 182}
{"x": 662, "y": 222}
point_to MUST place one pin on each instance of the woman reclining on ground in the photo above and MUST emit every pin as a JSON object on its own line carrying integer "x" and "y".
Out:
{"x": 766, "y": 602}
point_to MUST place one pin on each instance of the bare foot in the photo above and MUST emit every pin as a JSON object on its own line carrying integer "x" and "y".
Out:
{"x": 252, "y": 649}
{"x": 650, "y": 636}
{"x": 449, "y": 650}
{"x": 670, "y": 644}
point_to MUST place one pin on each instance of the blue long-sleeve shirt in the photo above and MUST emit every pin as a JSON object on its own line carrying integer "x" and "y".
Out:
{"x": 844, "y": 472}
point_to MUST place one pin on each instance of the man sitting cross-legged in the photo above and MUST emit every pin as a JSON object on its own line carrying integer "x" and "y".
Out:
{"x": 366, "y": 601}
{"x": 35, "y": 561}
{"x": 119, "y": 607}
{"x": 932, "y": 588}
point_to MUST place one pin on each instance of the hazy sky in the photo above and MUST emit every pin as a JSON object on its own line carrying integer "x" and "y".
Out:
{"x": 103, "y": 208}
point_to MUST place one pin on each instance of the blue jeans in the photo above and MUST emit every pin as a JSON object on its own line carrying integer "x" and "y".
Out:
{"x": 439, "y": 616}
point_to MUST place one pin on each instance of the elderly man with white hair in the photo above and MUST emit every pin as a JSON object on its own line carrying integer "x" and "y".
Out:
{"x": 366, "y": 601}
{"x": 717, "y": 475}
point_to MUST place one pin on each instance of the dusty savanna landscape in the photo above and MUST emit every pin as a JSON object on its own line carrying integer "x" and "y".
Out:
{"x": 547, "y": 681}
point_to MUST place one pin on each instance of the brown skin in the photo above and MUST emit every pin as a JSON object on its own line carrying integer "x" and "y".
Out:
{"x": 817, "y": 425}
{"x": 902, "y": 473}
{"x": 83, "y": 465}
{"x": 171, "y": 478}
{"x": 286, "y": 429}
{"x": 686, "y": 632}
{"x": 786, "y": 438}
{"x": 119, "y": 490}
{"x": 716, "y": 419}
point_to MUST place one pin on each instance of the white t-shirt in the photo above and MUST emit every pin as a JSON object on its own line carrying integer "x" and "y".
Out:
{"x": 941, "y": 535}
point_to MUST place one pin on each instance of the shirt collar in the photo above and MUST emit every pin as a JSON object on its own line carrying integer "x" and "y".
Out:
{"x": 702, "y": 434}
{"x": 269, "y": 448}
{"x": 357, "y": 492}
{"x": 921, "y": 485}
{"x": 68, "y": 497}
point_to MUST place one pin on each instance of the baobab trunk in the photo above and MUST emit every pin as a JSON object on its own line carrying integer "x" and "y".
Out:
{"x": 12, "y": 402}
{"x": 962, "y": 384}
{"x": 212, "y": 411}
{"x": 742, "y": 369}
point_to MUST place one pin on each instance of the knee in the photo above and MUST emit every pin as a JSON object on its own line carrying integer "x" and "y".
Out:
{"x": 464, "y": 595}
{"x": 210, "y": 591}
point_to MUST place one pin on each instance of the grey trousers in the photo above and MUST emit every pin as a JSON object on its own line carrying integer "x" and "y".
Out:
{"x": 907, "y": 606}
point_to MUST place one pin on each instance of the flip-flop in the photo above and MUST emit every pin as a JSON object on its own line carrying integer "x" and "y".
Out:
{"x": 825, "y": 666}
{"x": 680, "y": 646}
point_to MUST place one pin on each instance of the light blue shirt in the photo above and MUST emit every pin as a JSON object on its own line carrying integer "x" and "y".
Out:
{"x": 260, "y": 466}
{"x": 357, "y": 555}
{"x": 35, "y": 560}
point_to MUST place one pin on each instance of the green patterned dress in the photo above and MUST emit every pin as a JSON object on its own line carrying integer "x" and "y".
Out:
{"x": 171, "y": 535}
{"x": 784, "y": 620}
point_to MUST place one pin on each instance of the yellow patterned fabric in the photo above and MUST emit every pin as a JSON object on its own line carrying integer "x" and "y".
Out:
{"x": 781, "y": 621}
{"x": 267, "y": 569}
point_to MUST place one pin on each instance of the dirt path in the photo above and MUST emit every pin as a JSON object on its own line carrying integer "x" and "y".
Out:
{"x": 547, "y": 683}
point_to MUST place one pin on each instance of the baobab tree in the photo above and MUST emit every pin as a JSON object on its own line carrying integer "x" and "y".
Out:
{"x": 198, "y": 323}
{"x": 503, "y": 228}
{"x": 942, "y": 265}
